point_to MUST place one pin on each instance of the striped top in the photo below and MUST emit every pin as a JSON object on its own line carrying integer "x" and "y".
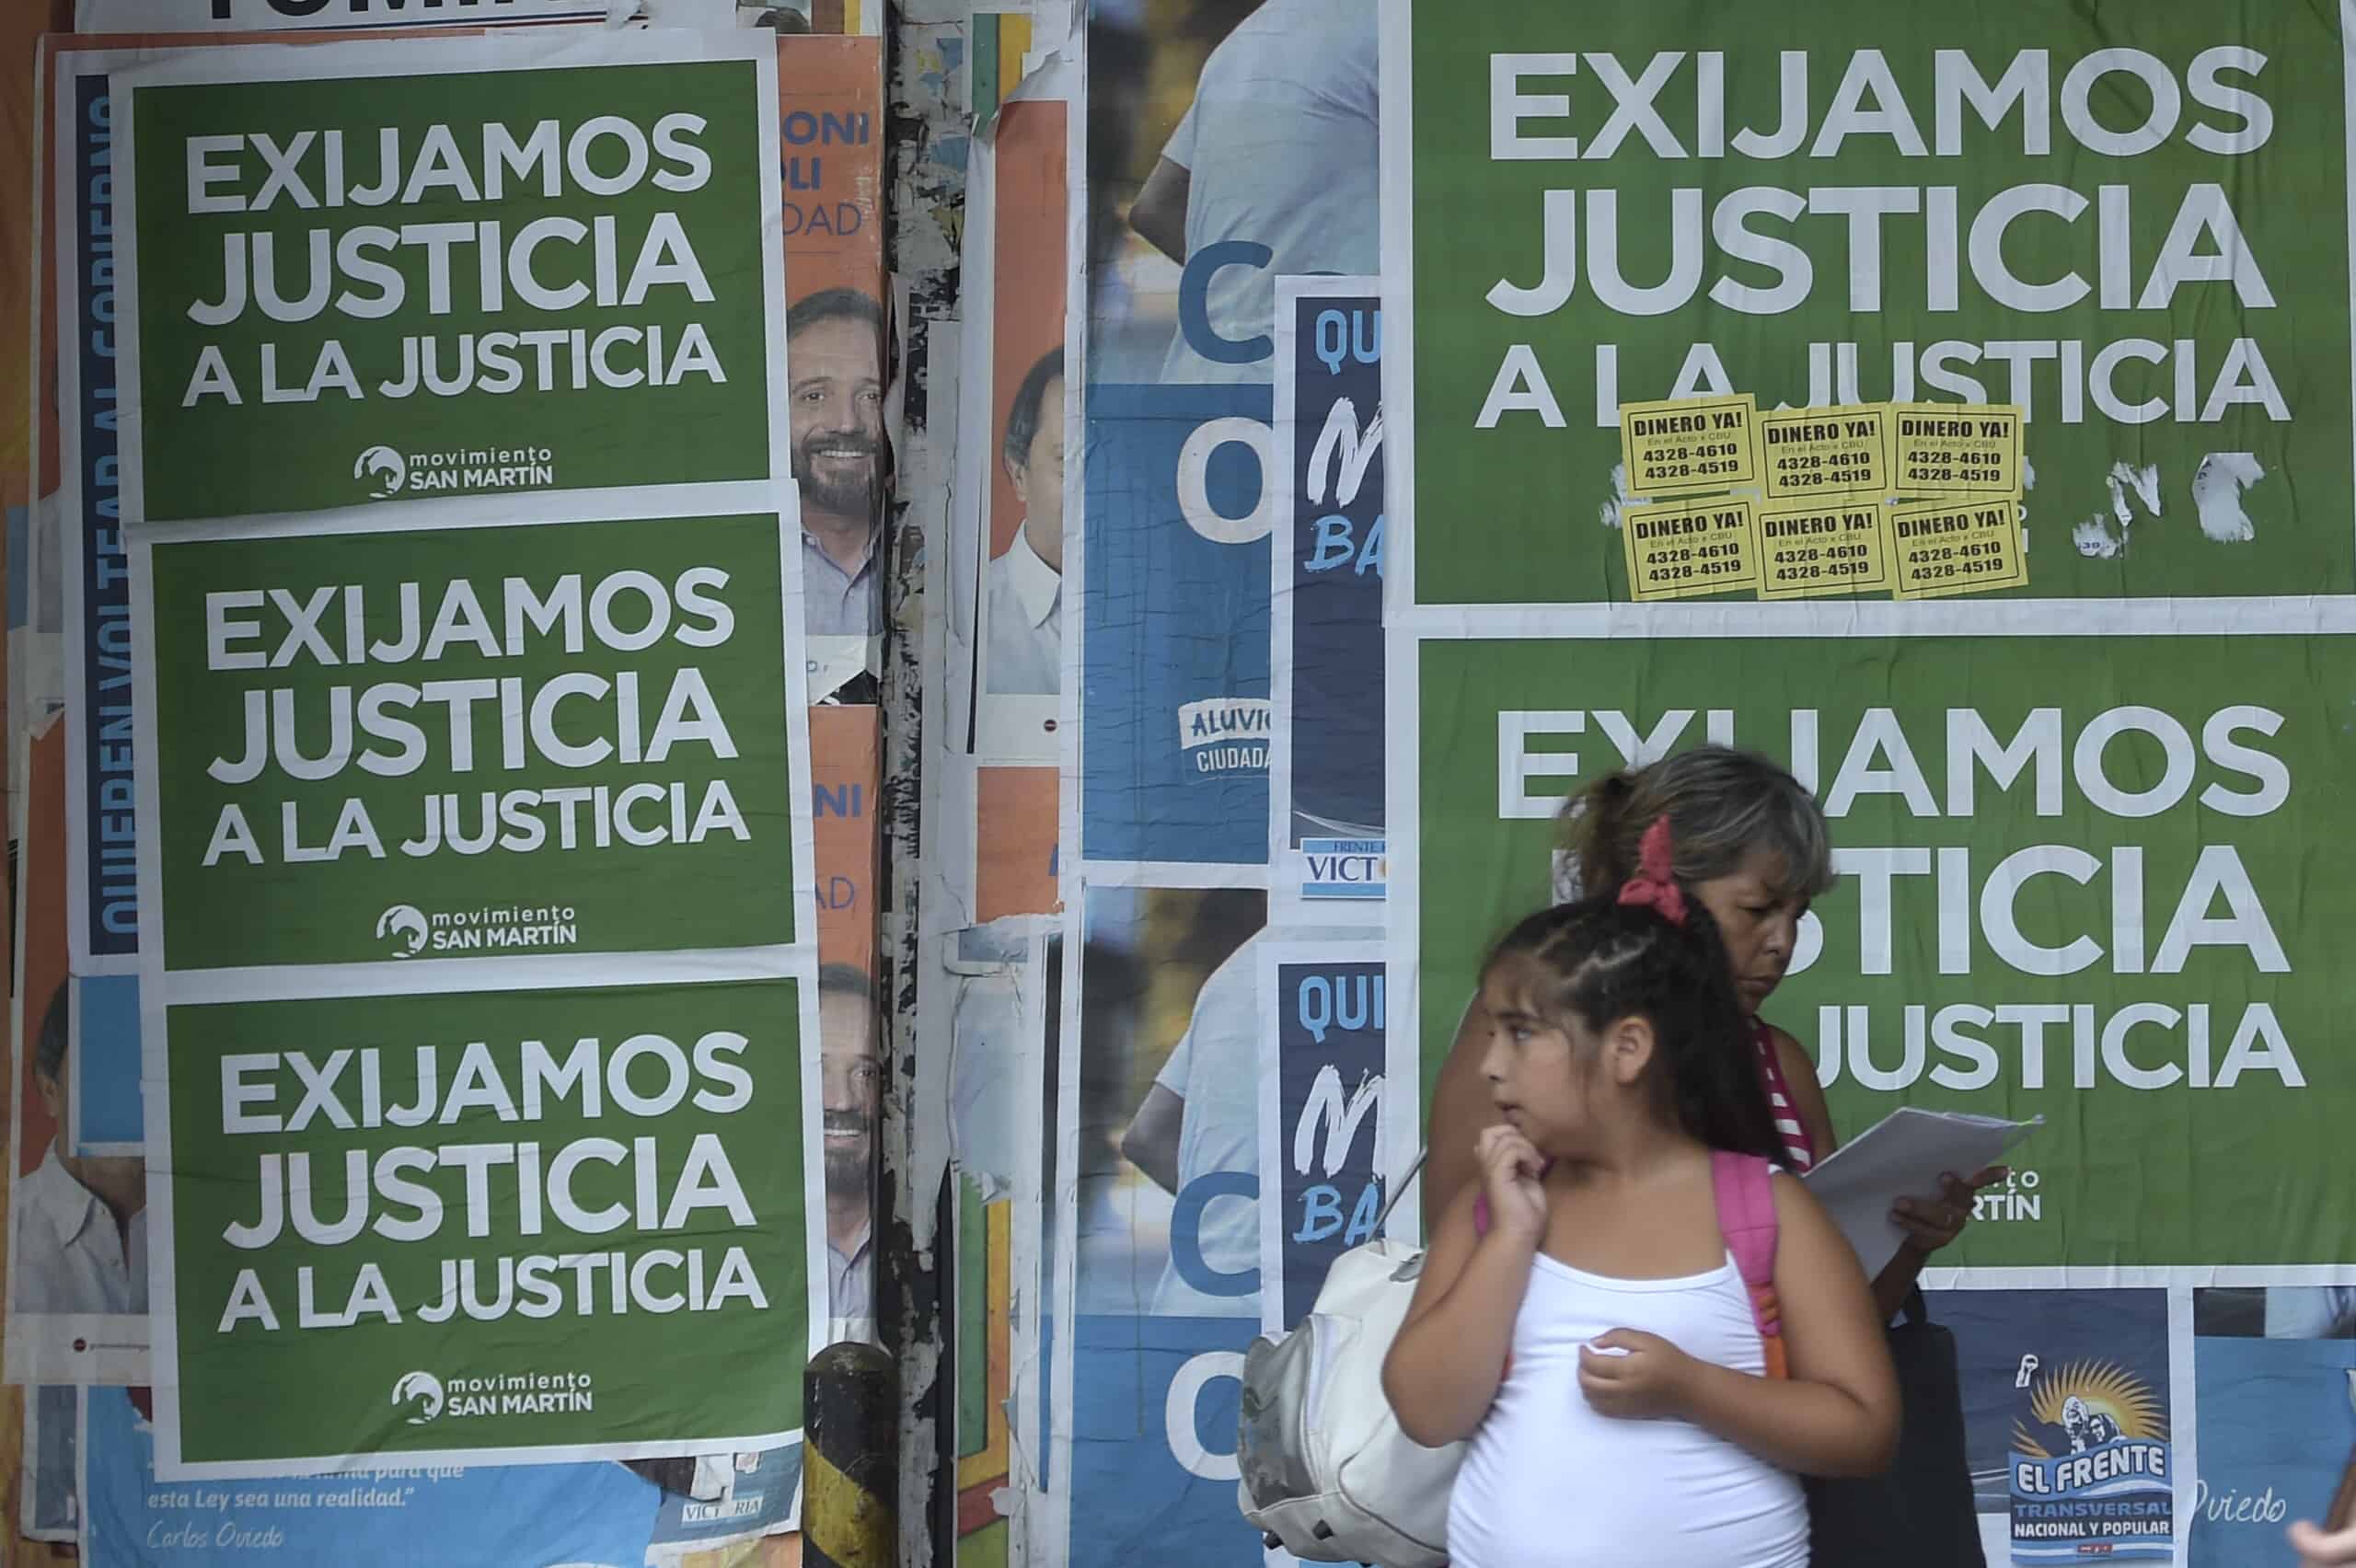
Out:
{"x": 1798, "y": 1147}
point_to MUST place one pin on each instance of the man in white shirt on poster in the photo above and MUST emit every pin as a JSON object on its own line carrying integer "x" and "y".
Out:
{"x": 1280, "y": 149}
{"x": 1023, "y": 653}
{"x": 80, "y": 1220}
{"x": 1202, "y": 1117}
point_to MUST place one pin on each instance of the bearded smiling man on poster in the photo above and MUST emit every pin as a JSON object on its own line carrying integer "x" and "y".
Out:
{"x": 852, "y": 1080}
{"x": 835, "y": 349}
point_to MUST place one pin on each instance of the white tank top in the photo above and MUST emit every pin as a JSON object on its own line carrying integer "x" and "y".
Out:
{"x": 1547, "y": 1482}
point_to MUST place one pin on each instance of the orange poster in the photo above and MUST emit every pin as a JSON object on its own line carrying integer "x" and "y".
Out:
{"x": 1027, "y": 292}
{"x": 1014, "y": 813}
{"x": 830, "y": 94}
{"x": 845, "y": 762}
{"x": 1019, "y": 674}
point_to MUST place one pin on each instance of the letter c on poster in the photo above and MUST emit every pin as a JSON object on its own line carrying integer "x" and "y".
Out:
{"x": 1178, "y": 1414}
{"x": 1194, "y": 302}
{"x": 1186, "y": 1233}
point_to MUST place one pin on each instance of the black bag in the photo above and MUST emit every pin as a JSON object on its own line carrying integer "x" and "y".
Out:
{"x": 1919, "y": 1511}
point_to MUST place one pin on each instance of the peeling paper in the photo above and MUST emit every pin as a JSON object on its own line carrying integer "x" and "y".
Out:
{"x": 2144, "y": 482}
{"x": 1620, "y": 499}
{"x": 1053, "y": 73}
{"x": 2094, "y": 537}
{"x": 991, "y": 1056}
{"x": 2217, "y": 486}
{"x": 2095, "y": 540}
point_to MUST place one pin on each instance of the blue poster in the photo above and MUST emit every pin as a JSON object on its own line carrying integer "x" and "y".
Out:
{"x": 756, "y": 1499}
{"x": 109, "y": 840}
{"x": 2274, "y": 1376}
{"x": 109, "y": 1112}
{"x": 1155, "y": 1406}
{"x": 1335, "y": 588}
{"x": 2066, "y": 1412}
{"x": 52, "y": 1427}
{"x": 100, "y": 825}
{"x": 584, "y": 1516}
{"x": 1166, "y": 1222}
{"x": 1329, "y": 1093}
{"x": 1175, "y": 712}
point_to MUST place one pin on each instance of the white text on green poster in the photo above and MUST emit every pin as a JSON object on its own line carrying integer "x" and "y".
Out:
{"x": 473, "y": 742}
{"x": 457, "y": 1222}
{"x": 2131, "y": 225}
{"x": 475, "y": 283}
{"x": 2101, "y": 878}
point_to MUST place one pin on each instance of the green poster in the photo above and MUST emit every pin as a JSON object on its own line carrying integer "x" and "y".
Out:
{"x": 2101, "y": 878}
{"x": 461, "y": 743}
{"x": 403, "y": 280}
{"x": 2130, "y": 222}
{"x": 469, "y": 1222}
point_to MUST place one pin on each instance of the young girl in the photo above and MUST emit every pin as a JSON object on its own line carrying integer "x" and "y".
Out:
{"x": 1752, "y": 844}
{"x": 1590, "y": 1331}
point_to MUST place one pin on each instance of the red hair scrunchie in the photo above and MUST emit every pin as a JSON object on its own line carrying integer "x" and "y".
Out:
{"x": 1655, "y": 886}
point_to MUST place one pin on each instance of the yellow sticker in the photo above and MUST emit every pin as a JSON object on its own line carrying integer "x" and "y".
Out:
{"x": 1813, "y": 451}
{"x": 1688, "y": 445}
{"x": 1682, "y": 549}
{"x": 1956, "y": 449}
{"x": 1828, "y": 547}
{"x": 1940, "y": 548}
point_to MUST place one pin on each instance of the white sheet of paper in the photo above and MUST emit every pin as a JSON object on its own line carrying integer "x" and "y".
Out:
{"x": 1903, "y": 1155}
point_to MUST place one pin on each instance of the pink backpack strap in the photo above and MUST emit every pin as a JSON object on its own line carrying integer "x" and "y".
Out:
{"x": 1746, "y": 1216}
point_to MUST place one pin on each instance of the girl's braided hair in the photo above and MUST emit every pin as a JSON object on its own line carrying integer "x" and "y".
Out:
{"x": 1600, "y": 960}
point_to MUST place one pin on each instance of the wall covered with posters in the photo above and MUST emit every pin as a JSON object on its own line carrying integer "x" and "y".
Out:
{"x": 452, "y": 1027}
{"x": 429, "y": 1198}
{"x": 2074, "y": 796}
{"x": 1367, "y": 588}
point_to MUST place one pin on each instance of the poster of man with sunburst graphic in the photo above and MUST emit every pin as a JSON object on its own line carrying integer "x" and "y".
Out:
{"x": 2091, "y": 1472}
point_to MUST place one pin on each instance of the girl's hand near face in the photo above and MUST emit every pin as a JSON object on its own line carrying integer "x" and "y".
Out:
{"x": 1511, "y": 1168}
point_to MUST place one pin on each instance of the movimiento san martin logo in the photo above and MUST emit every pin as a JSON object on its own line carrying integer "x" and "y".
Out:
{"x": 419, "y": 1394}
{"x": 385, "y": 470}
{"x": 403, "y": 926}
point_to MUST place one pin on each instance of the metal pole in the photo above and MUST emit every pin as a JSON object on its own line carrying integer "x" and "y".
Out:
{"x": 850, "y": 1462}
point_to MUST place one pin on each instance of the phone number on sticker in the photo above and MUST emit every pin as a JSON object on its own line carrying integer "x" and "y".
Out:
{"x": 1803, "y": 571}
{"x": 1943, "y": 571}
{"x": 1973, "y": 472}
{"x": 1668, "y": 573}
{"x": 1806, "y": 553}
{"x": 1808, "y": 462}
